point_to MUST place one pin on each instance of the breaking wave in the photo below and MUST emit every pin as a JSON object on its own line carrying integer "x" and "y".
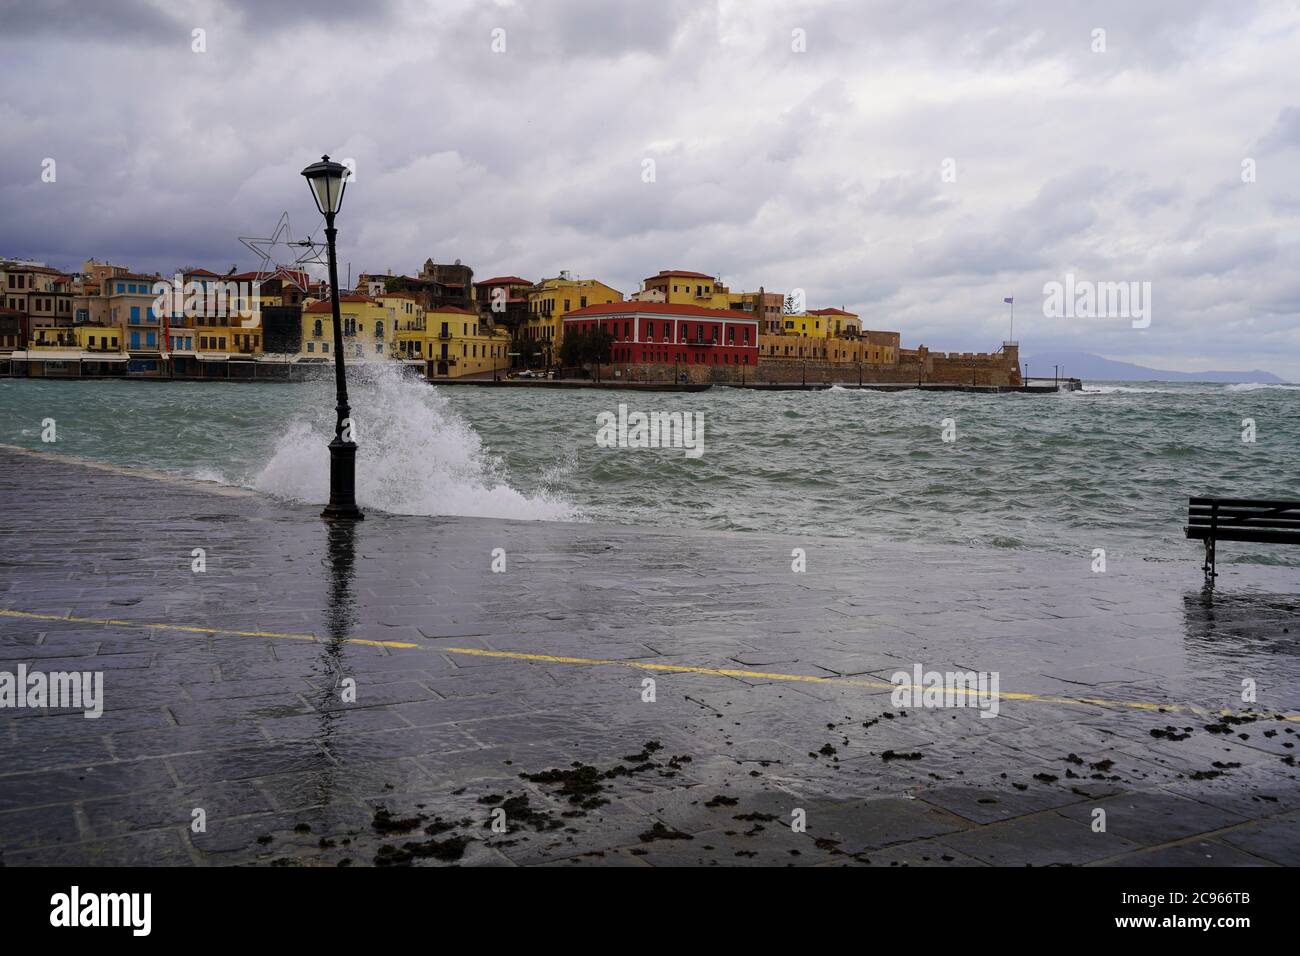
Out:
{"x": 1122, "y": 390}
{"x": 1256, "y": 386}
{"x": 416, "y": 456}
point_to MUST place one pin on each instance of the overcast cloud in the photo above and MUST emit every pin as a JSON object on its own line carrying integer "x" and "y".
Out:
{"x": 819, "y": 170}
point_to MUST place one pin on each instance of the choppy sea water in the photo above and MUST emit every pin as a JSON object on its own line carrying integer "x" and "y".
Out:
{"x": 1110, "y": 467}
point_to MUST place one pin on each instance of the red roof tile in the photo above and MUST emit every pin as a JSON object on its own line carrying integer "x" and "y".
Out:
{"x": 325, "y": 305}
{"x": 504, "y": 280}
{"x": 683, "y": 273}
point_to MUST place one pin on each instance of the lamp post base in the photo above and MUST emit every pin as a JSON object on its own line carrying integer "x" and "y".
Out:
{"x": 343, "y": 483}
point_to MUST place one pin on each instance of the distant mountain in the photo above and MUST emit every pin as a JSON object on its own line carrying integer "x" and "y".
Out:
{"x": 1088, "y": 366}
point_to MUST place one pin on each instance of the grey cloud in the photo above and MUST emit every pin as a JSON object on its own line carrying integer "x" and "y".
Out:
{"x": 819, "y": 170}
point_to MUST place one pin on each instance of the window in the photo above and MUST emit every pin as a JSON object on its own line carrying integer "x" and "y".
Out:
{"x": 379, "y": 329}
{"x": 324, "y": 346}
{"x": 135, "y": 315}
{"x": 316, "y": 328}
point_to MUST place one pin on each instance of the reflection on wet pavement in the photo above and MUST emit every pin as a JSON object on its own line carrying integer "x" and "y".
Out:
{"x": 407, "y": 749}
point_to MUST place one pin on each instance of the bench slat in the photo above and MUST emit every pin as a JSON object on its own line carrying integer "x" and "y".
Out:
{"x": 1263, "y": 521}
{"x": 1230, "y": 533}
{"x": 1244, "y": 502}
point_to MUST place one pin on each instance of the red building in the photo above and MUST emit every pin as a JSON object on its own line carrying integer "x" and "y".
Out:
{"x": 647, "y": 333}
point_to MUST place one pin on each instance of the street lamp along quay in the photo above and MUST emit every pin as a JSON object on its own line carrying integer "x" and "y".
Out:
{"x": 328, "y": 180}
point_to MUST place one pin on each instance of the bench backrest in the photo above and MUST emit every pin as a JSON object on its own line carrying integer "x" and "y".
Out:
{"x": 1244, "y": 514}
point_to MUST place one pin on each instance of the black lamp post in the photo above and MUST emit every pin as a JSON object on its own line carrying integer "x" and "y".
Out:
{"x": 328, "y": 180}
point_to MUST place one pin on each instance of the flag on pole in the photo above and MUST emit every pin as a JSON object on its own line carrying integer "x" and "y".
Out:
{"x": 1008, "y": 301}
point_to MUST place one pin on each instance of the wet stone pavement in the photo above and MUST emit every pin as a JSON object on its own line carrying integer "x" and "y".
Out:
{"x": 379, "y": 695}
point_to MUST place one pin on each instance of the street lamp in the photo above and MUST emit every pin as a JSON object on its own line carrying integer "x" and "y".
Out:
{"x": 328, "y": 180}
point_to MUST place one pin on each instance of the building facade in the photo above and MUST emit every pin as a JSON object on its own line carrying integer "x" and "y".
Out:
{"x": 503, "y": 301}
{"x": 453, "y": 342}
{"x": 666, "y": 334}
{"x": 552, "y": 299}
{"x": 683, "y": 287}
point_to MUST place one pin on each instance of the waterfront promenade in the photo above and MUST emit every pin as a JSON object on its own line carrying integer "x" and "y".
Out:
{"x": 375, "y": 695}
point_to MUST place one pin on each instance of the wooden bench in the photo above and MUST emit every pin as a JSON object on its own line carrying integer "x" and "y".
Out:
{"x": 1241, "y": 519}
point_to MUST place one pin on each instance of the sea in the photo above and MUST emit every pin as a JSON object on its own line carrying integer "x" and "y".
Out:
{"x": 1108, "y": 467}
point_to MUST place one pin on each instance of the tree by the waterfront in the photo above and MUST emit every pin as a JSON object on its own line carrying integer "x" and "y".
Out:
{"x": 586, "y": 348}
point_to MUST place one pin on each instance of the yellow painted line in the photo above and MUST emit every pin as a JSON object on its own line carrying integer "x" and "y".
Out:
{"x": 637, "y": 665}
{"x": 838, "y": 681}
{"x": 192, "y": 629}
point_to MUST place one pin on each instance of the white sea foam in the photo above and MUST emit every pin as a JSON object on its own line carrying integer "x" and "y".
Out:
{"x": 1256, "y": 386}
{"x": 416, "y": 456}
{"x": 1123, "y": 390}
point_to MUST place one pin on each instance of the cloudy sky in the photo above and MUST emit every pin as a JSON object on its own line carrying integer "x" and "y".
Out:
{"x": 913, "y": 162}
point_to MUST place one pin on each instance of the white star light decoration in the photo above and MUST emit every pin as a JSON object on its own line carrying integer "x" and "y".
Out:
{"x": 313, "y": 253}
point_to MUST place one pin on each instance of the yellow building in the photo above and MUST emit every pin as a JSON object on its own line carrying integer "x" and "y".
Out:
{"x": 370, "y": 328}
{"x": 682, "y": 287}
{"x": 404, "y": 312}
{"x": 822, "y": 323}
{"x": 452, "y": 342}
{"x": 99, "y": 338}
{"x": 551, "y": 299}
{"x": 830, "y": 335}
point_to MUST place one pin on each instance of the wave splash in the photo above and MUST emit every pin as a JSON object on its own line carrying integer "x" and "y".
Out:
{"x": 416, "y": 456}
{"x": 1257, "y": 386}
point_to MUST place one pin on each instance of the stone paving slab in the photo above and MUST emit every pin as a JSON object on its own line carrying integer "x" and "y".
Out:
{"x": 377, "y": 695}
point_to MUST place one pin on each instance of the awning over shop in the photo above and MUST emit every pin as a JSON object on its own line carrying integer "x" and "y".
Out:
{"x": 48, "y": 355}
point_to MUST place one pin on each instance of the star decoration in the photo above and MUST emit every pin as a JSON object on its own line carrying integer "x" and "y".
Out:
{"x": 271, "y": 266}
